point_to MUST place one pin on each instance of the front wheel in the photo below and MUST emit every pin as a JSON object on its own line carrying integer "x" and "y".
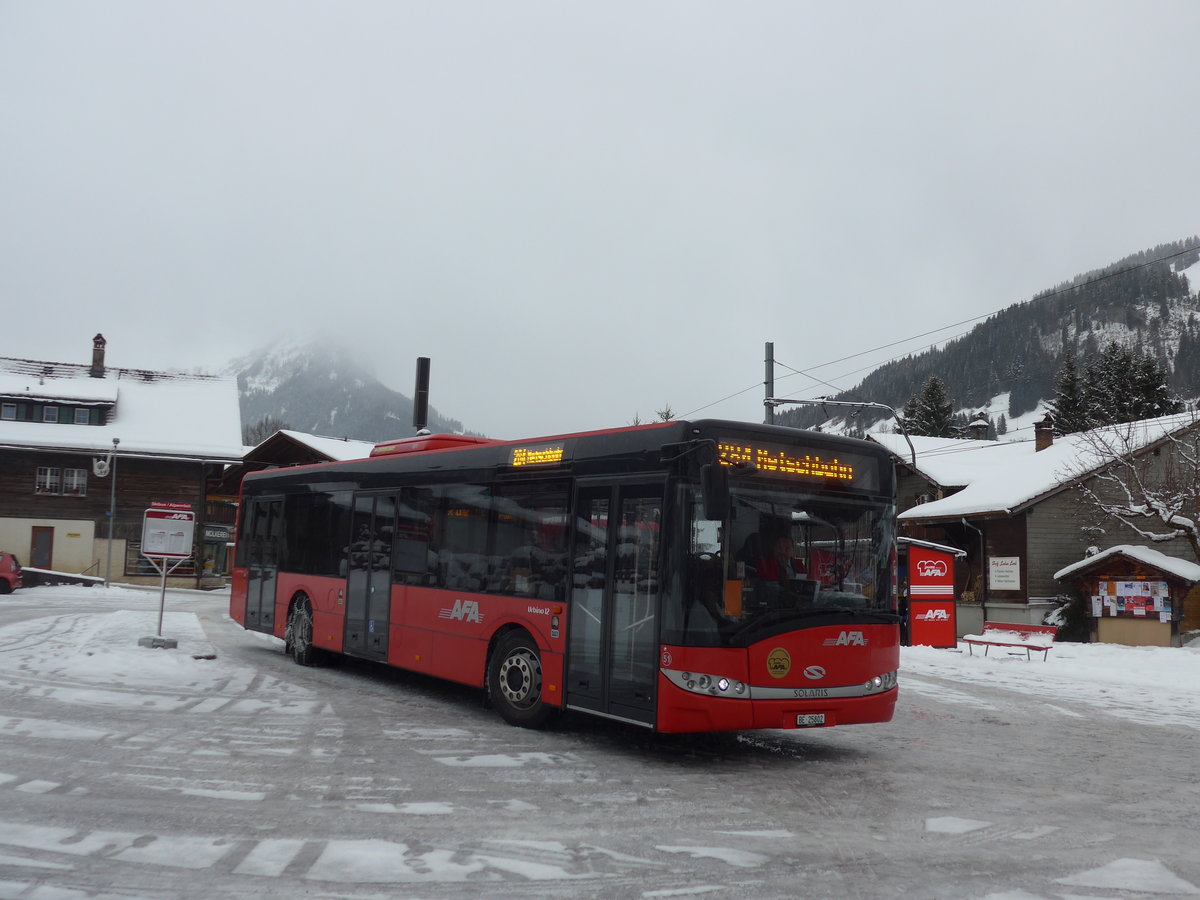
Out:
{"x": 515, "y": 681}
{"x": 298, "y": 636}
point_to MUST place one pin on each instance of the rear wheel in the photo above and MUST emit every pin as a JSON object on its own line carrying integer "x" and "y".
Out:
{"x": 515, "y": 681}
{"x": 298, "y": 636}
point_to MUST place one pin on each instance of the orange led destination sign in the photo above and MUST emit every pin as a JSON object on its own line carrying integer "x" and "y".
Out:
{"x": 537, "y": 455}
{"x": 773, "y": 460}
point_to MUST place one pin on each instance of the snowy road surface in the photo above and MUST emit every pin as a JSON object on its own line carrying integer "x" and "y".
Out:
{"x": 128, "y": 772}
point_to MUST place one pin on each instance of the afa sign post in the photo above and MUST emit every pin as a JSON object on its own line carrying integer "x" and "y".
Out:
{"x": 168, "y": 530}
{"x": 931, "y": 607}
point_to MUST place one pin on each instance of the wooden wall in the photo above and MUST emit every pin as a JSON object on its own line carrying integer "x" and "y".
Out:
{"x": 139, "y": 482}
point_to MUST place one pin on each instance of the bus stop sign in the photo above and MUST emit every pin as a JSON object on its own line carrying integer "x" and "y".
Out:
{"x": 168, "y": 530}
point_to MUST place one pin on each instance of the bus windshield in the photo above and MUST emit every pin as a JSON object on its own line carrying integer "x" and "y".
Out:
{"x": 781, "y": 560}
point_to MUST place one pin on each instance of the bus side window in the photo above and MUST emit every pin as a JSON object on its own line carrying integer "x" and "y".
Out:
{"x": 530, "y": 541}
{"x": 410, "y": 557}
{"x": 460, "y": 523}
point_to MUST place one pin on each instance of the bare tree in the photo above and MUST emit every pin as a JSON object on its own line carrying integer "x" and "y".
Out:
{"x": 666, "y": 414}
{"x": 253, "y": 435}
{"x": 1145, "y": 475}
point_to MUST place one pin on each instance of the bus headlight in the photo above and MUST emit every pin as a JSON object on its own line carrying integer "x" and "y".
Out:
{"x": 884, "y": 682}
{"x": 713, "y": 685}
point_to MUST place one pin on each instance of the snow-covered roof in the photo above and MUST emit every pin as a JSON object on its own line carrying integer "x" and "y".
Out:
{"x": 930, "y": 545}
{"x": 1188, "y": 571}
{"x": 335, "y": 448}
{"x": 54, "y": 382}
{"x": 1000, "y": 478}
{"x": 947, "y": 462}
{"x": 164, "y": 414}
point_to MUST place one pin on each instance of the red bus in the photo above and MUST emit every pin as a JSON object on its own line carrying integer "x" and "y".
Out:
{"x": 624, "y": 573}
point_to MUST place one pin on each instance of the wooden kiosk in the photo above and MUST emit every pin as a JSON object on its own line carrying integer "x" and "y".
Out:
{"x": 1137, "y": 596}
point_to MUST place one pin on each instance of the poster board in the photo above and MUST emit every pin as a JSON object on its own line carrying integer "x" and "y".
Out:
{"x": 1132, "y": 598}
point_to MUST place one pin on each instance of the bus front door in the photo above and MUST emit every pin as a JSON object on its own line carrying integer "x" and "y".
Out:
{"x": 369, "y": 575}
{"x": 266, "y": 529}
{"x": 612, "y": 643}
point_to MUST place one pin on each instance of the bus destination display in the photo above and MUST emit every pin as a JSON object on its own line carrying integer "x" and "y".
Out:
{"x": 537, "y": 455}
{"x": 774, "y": 460}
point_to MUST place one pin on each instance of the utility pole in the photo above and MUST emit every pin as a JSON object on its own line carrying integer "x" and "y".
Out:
{"x": 770, "y": 383}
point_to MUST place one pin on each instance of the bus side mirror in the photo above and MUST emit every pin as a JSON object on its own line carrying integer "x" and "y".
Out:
{"x": 714, "y": 482}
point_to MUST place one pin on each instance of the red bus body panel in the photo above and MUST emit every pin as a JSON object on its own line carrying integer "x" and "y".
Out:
{"x": 840, "y": 656}
{"x": 425, "y": 632}
{"x": 449, "y": 633}
{"x": 238, "y": 585}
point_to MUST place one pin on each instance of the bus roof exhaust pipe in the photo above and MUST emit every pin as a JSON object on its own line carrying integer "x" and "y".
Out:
{"x": 421, "y": 396}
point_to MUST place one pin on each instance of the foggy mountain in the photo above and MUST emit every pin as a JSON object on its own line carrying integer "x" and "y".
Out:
{"x": 1144, "y": 301}
{"x": 323, "y": 389}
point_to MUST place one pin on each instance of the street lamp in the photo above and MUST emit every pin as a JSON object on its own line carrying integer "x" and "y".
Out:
{"x": 112, "y": 510}
{"x": 772, "y": 402}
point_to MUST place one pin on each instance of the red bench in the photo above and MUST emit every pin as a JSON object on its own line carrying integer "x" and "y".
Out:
{"x": 1012, "y": 634}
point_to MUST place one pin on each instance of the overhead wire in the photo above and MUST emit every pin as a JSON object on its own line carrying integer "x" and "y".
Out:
{"x": 1043, "y": 296}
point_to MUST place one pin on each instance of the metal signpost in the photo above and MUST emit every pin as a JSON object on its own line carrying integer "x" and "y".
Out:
{"x": 168, "y": 530}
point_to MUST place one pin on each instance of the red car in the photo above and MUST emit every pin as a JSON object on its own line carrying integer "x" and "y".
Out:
{"x": 10, "y": 573}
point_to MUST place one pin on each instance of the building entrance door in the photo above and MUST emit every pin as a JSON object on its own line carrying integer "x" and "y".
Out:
{"x": 41, "y": 547}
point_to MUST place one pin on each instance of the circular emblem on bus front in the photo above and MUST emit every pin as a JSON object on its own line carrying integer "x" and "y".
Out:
{"x": 779, "y": 663}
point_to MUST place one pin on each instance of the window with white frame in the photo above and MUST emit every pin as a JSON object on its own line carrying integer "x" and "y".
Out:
{"x": 74, "y": 482}
{"x": 8, "y": 411}
{"x": 83, "y": 415}
{"x": 47, "y": 480}
{"x": 49, "y": 413}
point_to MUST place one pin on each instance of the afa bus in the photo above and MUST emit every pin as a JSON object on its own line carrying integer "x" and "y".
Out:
{"x": 683, "y": 576}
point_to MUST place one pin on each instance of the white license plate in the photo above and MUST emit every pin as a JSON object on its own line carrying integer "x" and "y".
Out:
{"x": 808, "y": 720}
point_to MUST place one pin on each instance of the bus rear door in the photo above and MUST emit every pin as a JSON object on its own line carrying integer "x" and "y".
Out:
{"x": 612, "y": 645}
{"x": 266, "y": 533}
{"x": 369, "y": 575}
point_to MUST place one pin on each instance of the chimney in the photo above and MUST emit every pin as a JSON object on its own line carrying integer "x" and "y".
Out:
{"x": 1043, "y": 433}
{"x": 98, "y": 343}
{"x": 978, "y": 428}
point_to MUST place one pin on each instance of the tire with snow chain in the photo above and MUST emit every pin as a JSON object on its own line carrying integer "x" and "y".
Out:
{"x": 515, "y": 681}
{"x": 298, "y": 637}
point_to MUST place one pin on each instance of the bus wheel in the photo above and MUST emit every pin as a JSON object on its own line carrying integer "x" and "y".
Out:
{"x": 298, "y": 636}
{"x": 515, "y": 681}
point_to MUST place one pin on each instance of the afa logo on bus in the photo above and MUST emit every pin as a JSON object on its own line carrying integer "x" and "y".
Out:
{"x": 463, "y": 611}
{"x": 847, "y": 639}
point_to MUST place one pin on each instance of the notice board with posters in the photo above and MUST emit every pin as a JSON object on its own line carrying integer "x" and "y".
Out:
{"x": 1145, "y": 599}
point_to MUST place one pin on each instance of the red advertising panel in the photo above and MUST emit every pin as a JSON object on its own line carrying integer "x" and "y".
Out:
{"x": 931, "y": 597}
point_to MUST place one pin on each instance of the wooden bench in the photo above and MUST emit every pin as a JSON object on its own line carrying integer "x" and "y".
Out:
{"x": 1011, "y": 634}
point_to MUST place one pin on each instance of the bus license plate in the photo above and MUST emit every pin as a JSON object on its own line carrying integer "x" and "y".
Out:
{"x": 808, "y": 720}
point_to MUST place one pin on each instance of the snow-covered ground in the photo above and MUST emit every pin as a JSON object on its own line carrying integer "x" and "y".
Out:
{"x": 1153, "y": 685}
{"x": 137, "y": 773}
{"x": 1147, "y": 684}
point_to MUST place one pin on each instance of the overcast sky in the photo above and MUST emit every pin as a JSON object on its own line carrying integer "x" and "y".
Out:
{"x": 580, "y": 212}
